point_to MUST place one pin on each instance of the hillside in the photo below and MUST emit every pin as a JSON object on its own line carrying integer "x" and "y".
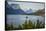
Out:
{"x": 10, "y": 10}
{"x": 40, "y": 12}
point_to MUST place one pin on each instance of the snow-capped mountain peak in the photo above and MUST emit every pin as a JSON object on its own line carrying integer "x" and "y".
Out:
{"x": 29, "y": 11}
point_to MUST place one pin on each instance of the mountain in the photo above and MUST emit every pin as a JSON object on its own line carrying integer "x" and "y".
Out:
{"x": 15, "y": 9}
{"x": 10, "y": 10}
{"x": 29, "y": 11}
{"x": 40, "y": 12}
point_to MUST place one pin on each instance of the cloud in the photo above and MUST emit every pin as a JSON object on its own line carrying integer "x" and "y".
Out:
{"x": 26, "y": 6}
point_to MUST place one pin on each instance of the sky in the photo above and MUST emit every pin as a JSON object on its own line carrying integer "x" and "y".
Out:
{"x": 26, "y": 6}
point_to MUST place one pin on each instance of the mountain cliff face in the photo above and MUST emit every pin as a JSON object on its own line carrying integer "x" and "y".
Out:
{"x": 10, "y": 10}
{"x": 15, "y": 9}
{"x": 40, "y": 12}
{"x": 29, "y": 11}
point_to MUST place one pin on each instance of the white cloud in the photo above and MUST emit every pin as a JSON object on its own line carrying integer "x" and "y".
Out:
{"x": 26, "y": 6}
{"x": 33, "y": 6}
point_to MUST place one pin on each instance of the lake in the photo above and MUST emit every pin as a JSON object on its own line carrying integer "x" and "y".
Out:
{"x": 20, "y": 19}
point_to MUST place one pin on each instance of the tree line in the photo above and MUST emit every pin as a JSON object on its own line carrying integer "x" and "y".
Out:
{"x": 26, "y": 25}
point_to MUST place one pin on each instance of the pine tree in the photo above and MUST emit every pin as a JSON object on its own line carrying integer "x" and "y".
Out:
{"x": 20, "y": 27}
{"x": 42, "y": 25}
{"x": 25, "y": 25}
{"x": 34, "y": 26}
{"x": 29, "y": 24}
{"x": 11, "y": 26}
{"x": 38, "y": 24}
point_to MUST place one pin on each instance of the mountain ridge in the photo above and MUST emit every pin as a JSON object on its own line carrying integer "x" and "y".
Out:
{"x": 10, "y": 10}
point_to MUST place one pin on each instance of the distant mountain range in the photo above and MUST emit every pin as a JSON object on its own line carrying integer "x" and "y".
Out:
{"x": 10, "y": 10}
{"x": 29, "y": 11}
{"x": 18, "y": 10}
{"x": 40, "y": 12}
